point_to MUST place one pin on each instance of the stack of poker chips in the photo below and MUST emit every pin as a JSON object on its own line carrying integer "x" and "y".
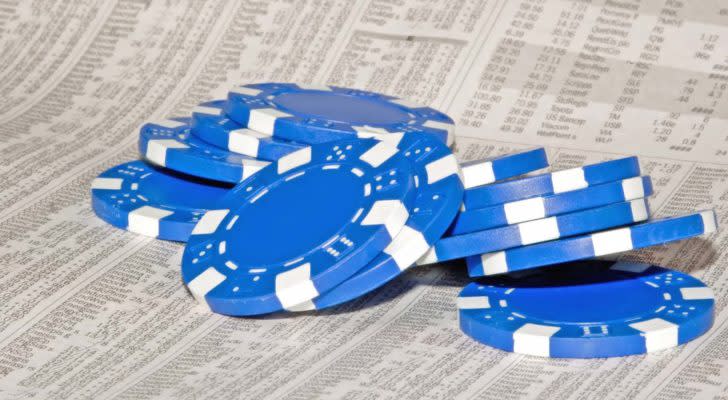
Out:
{"x": 294, "y": 198}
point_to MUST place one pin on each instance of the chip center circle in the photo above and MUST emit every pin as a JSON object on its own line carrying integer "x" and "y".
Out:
{"x": 582, "y": 303}
{"x": 342, "y": 107}
{"x": 327, "y": 199}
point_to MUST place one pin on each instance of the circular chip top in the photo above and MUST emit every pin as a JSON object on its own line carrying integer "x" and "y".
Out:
{"x": 613, "y": 241}
{"x": 168, "y": 143}
{"x": 316, "y": 114}
{"x": 551, "y": 183}
{"x": 439, "y": 195}
{"x": 210, "y": 124}
{"x": 152, "y": 201}
{"x": 587, "y": 309}
{"x": 299, "y": 227}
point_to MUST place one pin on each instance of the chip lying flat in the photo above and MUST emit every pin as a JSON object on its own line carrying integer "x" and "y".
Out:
{"x": 587, "y": 309}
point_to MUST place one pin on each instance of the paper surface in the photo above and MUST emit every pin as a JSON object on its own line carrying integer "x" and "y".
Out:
{"x": 90, "y": 311}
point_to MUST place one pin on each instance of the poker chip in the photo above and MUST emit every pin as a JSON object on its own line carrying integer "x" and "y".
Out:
{"x": 438, "y": 198}
{"x": 551, "y": 183}
{"x": 168, "y": 143}
{"x": 210, "y": 124}
{"x": 486, "y": 171}
{"x": 537, "y": 231}
{"x": 587, "y": 309}
{"x": 152, "y": 201}
{"x": 316, "y": 114}
{"x": 608, "y": 242}
{"x": 299, "y": 227}
{"x": 546, "y": 206}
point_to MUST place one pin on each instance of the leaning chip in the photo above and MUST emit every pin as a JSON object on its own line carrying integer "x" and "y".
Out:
{"x": 299, "y": 227}
{"x": 651, "y": 233}
{"x": 551, "y": 183}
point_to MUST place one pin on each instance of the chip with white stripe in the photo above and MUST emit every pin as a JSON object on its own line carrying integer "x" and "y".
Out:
{"x": 518, "y": 211}
{"x": 153, "y": 201}
{"x": 563, "y": 181}
{"x": 315, "y": 114}
{"x": 651, "y": 233}
{"x": 212, "y": 125}
{"x": 169, "y": 143}
{"x": 587, "y": 309}
{"x": 299, "y": 227}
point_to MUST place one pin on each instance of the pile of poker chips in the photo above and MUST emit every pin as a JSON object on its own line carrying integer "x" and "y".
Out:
{"x": 292, "y": 197}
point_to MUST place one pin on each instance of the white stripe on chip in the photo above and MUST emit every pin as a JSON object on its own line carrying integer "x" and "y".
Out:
{"x": 107, "y": 183}
{"x": 157, "y": 150}
{"x": 294, "y": 286}
{"x": 390, "y": 213}
{"x": 294, "y": 159}
{"x": 209, "y": 222}
{"x": 659, "y": 334}
{"x": 539, "y": 230}
{"x": 568, "y": 180}
{"x": 478, "y": 174}
{"x": 264, "y": 119}
{"x": 203, "y": 283}
{"x": 473, "y": 302}
{"x": 611, "y": 242}
{"x": 378, "y": 154}
{"x": 245, "y": 91}
{"x": 534, "y": 339}
{"x": 442, "y": 168}
{"x": 406, "y": 247}
{"x": 524, "y": 210}
{"x": 145, "y": 220}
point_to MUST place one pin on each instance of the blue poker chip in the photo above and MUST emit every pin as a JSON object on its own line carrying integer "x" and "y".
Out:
{"x": 168, "y": 143}
{"x": 316, "y": 114}
{"x": 210, "y": 124}
{"x": 439, "y": 195}
{"x": 551, "y": 183}
{"x": 489, "y": 170}
{"x": 587, "y": 309}
{"x": 537, "y": 231}
{"x": 615, "y": 241}
{"x": 299, "y": 227}
{"x": 547, "y": 206}
{"x": 151, "y": 201}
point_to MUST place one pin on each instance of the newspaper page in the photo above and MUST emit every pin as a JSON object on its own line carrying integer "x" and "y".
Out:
{"x": 89, "y": 311}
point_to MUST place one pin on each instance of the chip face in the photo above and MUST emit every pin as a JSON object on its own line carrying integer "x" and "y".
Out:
{"x": 212, "y": 125}
{"x": 168, "y": 143}
{"x": 551, "y": 183}
{"x": 299, "y": 227}
{"x": 587, "y": 309}
{"x": 534, "y": 208}
{"x": 652, "y": 233}
{"x": 316, "y": 114}
{"x": 537, "y": 231}
{"x": 438, "y": 198}
{"x": 152, "y": 201}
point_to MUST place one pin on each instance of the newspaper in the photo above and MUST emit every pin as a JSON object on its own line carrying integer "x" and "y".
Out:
{"x": 88, "y": 311}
